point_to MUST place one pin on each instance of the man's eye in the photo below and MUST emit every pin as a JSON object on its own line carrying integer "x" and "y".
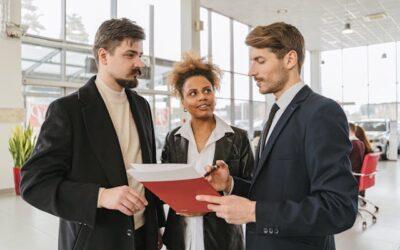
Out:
{"x": 192, "y": 93}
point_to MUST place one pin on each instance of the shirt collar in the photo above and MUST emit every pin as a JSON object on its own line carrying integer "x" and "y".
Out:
{"x": 221, "y": 128}
{"x": 288, "y": 95}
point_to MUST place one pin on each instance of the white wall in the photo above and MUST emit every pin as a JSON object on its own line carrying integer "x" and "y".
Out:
{"x": 10, "y": 94}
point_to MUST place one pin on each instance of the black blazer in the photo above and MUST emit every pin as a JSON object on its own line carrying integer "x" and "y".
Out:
{"x": 302, "y": 183}
{"x": 234, "y": 149}
{"x": 78, "y": 152}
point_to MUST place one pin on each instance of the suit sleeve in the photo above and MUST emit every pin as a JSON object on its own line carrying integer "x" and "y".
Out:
{"x": 45, "y": 183}
{"x": 331, "y": 206}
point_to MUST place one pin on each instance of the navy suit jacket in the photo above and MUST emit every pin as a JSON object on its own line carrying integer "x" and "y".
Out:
{"x": 302, "y": 182}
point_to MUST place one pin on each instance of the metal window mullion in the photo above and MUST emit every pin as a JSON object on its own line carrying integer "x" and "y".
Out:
{"x": 209, "y": 49}
{"x": 232, "y": 82}
{"x": 113, "y": 10}
{"x": 152, "y": 57}
{"x": 63, "y": 20}
{"x": 251, "y": 102}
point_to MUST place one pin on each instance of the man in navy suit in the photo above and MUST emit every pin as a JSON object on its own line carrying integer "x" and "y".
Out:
{"x": 302, "y": 191}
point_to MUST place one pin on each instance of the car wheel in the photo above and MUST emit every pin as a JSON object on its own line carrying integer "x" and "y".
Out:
{"x": 384, "y": 155}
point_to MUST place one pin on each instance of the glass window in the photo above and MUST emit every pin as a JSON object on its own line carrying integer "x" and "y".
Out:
{"x": 307, "y": 68}
{"x": 160, "y": 76}
{"x": 225, "y": 86}
{"x": 242, "y": 116}
{"x": 178, "y": 116}
{"x": 167, "y": 29}
{"x": 223, "y": 109}
{"x": 36, "y": 108}
{"x": 221, "y": 41}
{"x": 259, "y": 112}
{"x": 382, "y": 80}
{"x": 161, "y": 123}
{"x": 40, "y": 62}
{"x": 355, "y": 90}
{"x": 83, "y": 20}
{"x": 42, "y": 17}
{"x": 331, "y": 74}
{"x": 242, "y": 86}
{"x": 240, "y": 49}
{"x": 204, "y": 33}
{"x": 257, "y": 96}
{"x": 139, "y": 12}
{"x": 78, "y": 66}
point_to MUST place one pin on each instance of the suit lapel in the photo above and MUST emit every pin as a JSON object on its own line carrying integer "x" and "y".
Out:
{"x": 141, "y": 126}
{"x": 102, "y": 135}
{"x": 223, "y": 148}
{"x": 284, "y": 119}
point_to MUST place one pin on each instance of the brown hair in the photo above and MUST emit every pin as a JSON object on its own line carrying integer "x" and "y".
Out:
{"x": 362, "y": 136}
{"x": 352, "y": 127}
{"x": 280, "y": 38}
{"x": 192, "y": 65}
{"x": 111, "y": 33}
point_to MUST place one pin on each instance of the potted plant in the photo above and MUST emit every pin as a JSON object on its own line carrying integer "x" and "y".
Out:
{"x": 20, "y": 145}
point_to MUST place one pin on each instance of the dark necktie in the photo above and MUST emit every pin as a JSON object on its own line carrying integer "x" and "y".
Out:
{"x": 274, "y": 109}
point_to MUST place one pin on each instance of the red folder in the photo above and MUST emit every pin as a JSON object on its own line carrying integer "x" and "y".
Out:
{"x": 175, "y": 184}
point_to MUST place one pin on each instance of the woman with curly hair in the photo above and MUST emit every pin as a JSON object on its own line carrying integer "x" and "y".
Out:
{"x": 201, "y": 141}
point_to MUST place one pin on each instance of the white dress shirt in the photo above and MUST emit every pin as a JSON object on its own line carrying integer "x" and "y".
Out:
{"x": 194, "y": 237}
{"x": 283, "y": 102}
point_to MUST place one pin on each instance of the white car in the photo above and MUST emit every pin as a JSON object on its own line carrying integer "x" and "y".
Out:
{"x": 377, "y": 131}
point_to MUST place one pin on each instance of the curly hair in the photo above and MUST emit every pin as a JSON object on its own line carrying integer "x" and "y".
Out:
{"x": 192, "y": 65}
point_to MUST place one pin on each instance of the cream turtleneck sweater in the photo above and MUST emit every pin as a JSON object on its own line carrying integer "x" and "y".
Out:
{"x": 120, "y": 112}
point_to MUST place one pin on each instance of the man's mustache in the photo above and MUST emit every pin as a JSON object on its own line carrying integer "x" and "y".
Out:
{"x": 137, "y": 72}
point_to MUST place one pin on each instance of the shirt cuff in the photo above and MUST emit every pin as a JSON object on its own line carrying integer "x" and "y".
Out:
{"x": 231, "y": 189}
{"x": 98, "y": 197}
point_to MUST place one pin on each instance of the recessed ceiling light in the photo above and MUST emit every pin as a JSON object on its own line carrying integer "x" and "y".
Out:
{"x": 281, "y": 11}
{"x": 375, "y": 17}
{"x": 347, "y": 29}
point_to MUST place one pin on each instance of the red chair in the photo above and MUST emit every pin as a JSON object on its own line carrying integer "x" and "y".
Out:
{"x": 367, "y": 180}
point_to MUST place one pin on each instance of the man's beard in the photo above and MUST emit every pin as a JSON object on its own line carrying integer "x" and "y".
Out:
{"x": 127, "y": 83}
{"x": 130, "y": 83}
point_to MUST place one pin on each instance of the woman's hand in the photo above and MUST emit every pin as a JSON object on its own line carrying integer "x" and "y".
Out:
{"x": 220, "y": 178}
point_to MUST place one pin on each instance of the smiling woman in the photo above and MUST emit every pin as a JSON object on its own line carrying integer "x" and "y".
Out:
{"x": 202, "y": 141}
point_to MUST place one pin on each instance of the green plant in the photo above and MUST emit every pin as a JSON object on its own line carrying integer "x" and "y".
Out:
{"x": 21, "y": 144}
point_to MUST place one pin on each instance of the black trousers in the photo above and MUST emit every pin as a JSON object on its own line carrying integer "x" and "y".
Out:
{"x": 140, "y": 238}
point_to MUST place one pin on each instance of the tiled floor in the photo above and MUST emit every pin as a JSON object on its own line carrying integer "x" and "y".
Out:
{"x": 24, "y": 227}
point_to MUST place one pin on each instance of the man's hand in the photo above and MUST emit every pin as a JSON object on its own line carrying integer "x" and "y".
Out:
{"x": 232, "y": 208}
{"x": 124, "y": 199}
{"x": 159, "y": 240}
{"x": 219, "y": 179}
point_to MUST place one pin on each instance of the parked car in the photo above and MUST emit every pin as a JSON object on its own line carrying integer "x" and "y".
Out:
{"x": 377, "y": 131}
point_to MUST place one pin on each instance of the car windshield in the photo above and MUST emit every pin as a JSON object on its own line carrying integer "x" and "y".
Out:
{"x": 373, "y": 126}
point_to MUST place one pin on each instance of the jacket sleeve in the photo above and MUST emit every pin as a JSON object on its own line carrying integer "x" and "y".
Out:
{"x": 246, "y": 158}
{"x": 331, "y": 206}
{"x": 241, "y": 183}
{"x": 166, "y": 154}
{"x": 45, "y": 183}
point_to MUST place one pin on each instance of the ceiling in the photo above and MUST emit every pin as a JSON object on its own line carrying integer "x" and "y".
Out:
{"x": 320, "y": 21}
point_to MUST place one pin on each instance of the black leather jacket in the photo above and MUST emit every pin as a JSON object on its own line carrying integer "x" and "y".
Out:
{"x": 234, "y": 149}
